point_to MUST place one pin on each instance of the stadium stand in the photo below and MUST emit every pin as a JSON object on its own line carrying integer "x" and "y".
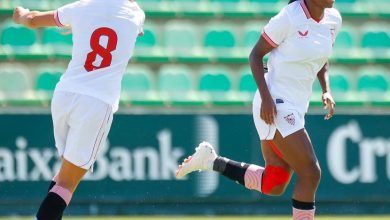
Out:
{"x": 195, "y": 52}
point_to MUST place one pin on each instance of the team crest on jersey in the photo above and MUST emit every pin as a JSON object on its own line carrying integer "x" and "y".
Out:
{"x": 290, "y": 119}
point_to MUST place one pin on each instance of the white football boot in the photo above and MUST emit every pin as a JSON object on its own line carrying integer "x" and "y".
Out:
{"x": 201, "y": 160}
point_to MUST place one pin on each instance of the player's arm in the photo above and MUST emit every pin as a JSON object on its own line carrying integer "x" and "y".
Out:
{"x": 33, "y": 19}
{"x": 327, "y": 99}
{"x": 268, "y": 108}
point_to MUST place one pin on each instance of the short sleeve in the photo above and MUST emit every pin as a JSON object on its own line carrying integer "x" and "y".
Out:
{"x": 277, "y": 28}
{"x": 141, "y": 26}
{"x": 339, "y": 24}
{"x": 63, "y": 15}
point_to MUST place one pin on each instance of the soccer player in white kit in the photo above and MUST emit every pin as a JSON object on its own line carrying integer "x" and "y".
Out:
{"x": 104, "y": 36}
{"x": 299, "y": 40}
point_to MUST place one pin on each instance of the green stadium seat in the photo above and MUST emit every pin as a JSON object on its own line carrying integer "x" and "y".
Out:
{"x": 216, "y": 85}
{"x": 47, "y": 79}
{"x": 19, "y": 38}
{"x": 149, "y": 44}
{"x": 55, "y": 40}
{"x": 215, "y": 79}
{"x": 33, "y": 4}
{"x": 181, "y": 37}
{"x": 175, "y": 79}
{"x": 59, "y": 3}
{"x": 219, "y": 36}
{"x": 252, "y": 32}
{"x": 246, "y": 85}
{"x": 225, "y": 4}
{"x": 15, "y": 82}
{"x": 376, "y": 36}
{"x": 137, "y": 79}
{"x": 150, "y": 38}
{"x": 176, "y": 86}
{"x": 263, "y": 1}
{"x": 373, "y": 80}
{"x": 152, "y": 5}
{"x": 346, "y": 1}
{"x": 247, "y": 82}
{"x": 138, "y": 86}
{"x": 340, "y": 80}
{"x": 16, "y": 35}
{"x": 346, "y": 39}
{"x": 188, "y": 5}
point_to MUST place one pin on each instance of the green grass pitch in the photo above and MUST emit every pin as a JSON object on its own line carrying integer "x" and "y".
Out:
{"x": 357, "y": 217}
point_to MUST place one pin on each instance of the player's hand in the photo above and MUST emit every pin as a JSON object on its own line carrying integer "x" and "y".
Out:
{"x": 329, "y": 103}
{"x": 18, "y": 14}
{"x": 268, "y": 110}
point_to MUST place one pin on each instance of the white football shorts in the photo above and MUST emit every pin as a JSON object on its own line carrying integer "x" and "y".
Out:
{"x": 287, "y": 121}
{"x": 81, "y": 125}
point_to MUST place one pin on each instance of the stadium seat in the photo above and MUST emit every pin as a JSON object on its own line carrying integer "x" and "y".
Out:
{"x": 246, "y": 82}
{"x": 188, "y": 5}
{"x": 340, "y": 79}
{"x": 138, "y": 87}
{"x": 181, "y": 37}
{"x": 225, "y": 5}
{"x": 346, "y": 1}
{"x": 346, "y": 39}
{"x": 376, "y": 36}
{"x": 246, "y": 85}
{"x": 153, "y": 5}
{"x": 175, "y": 79}
{"x": 373, "y": 80}
{"x": 150, "y": 38}
{"x": 47, "y": 79}
{"x": 219, "y": 36}
{"x": 17, "y": 35}
{"x": 33, "y": 4}
{"x": 54, "y": 40}
{"x": 15, "y": 82}
{"x": 137, "y": 79}
{"x": 215, "y": 79}
{"x": 25, "y": 44}
{"x": 252, "y": 32}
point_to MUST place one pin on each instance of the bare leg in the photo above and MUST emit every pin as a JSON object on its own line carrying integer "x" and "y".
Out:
{"x": 298, "y": 153}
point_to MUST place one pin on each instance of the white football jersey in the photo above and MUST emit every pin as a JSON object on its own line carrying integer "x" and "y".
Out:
{"x": 302, "y": 47}
{"x": 104, "y": 36}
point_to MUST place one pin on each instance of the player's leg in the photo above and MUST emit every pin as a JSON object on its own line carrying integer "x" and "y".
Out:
{"x": 90, "y": 120}
{"x": 298, "y": 153}
{"x": 271, "y": 180}
{"x": 59, "y": 112}
{"x": 61, "y": 193}
{"x": 277, "y": 173}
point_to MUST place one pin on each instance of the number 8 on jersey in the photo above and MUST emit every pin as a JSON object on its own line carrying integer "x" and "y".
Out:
{"x": 97, "y": 49}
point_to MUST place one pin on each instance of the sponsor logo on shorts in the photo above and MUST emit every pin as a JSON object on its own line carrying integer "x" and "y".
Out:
{"x": 290, "y": 119}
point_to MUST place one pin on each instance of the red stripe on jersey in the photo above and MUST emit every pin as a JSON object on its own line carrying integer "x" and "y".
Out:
{"x": 57, "y": 20}
{"x": 307, "y": 12}
{"x": 305, "y": 9}
{"x": 269, "y": 40}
